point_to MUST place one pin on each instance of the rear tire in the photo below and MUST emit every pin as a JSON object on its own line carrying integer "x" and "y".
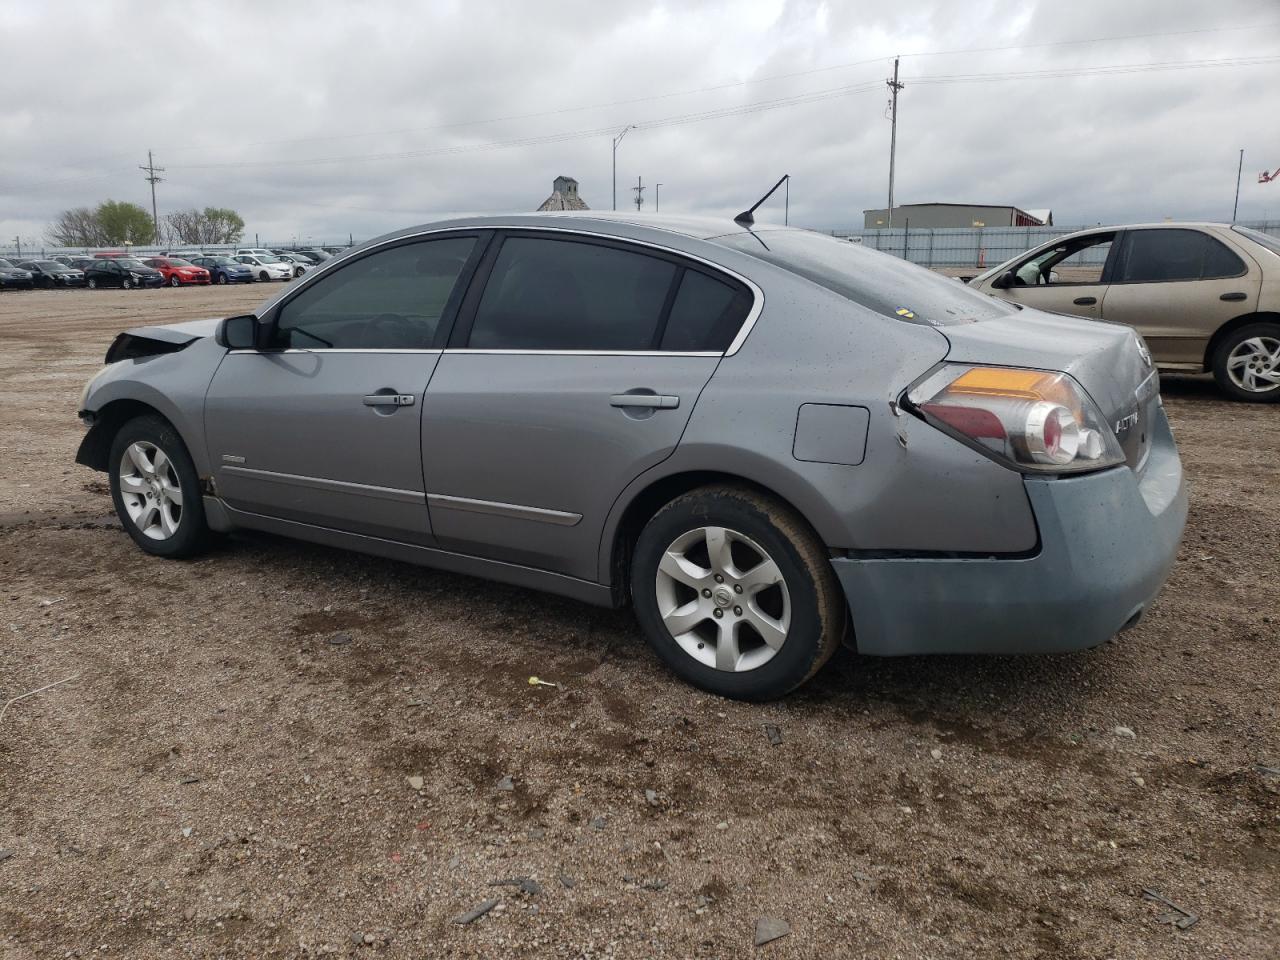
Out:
{"x": 1245, "y": 359}
{"x": 736, "y": 593}
{"x": 155, "y": 489}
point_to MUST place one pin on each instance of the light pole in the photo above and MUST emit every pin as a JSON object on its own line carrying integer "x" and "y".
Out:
{"x": 617, "y": 140}
{"x": 1239, "y": 168}
{"x": 657, "y": 197}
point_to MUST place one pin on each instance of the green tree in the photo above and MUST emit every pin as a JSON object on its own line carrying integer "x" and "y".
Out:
{"x": 223, "y": 225}
{"x": 124, "y": 222}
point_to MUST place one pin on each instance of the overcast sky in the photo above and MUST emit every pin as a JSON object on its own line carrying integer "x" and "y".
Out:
{"x": 300, "y": 114}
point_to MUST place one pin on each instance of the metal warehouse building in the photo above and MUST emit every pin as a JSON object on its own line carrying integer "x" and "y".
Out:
{"x": 929, "y": 215}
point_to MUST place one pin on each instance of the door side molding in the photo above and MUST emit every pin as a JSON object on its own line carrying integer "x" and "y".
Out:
{"x": 560, "y": 518}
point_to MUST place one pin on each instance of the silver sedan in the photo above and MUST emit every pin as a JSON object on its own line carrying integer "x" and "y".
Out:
{"x": 764, "y": 440}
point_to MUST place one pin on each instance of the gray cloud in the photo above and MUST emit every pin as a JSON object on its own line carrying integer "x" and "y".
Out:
{"x": 278, "y": 86}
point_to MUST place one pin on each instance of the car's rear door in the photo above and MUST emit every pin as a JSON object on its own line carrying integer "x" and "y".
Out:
{"x": 324, "y": 427}
{"x": 1178, "y": 285}
{"x": 574, "y": 367}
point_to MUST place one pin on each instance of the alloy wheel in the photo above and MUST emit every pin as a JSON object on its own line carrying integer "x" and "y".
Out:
{"x": 174, "y": 281}
{"x": 150, "y": 489}
{"x": 1254, "y": 364}
{"x": 723, "y": 599}
{"x": 93, "y": 284}
{"x": 126, "y": 283}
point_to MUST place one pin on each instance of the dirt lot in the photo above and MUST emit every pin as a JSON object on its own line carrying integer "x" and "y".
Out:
{"x": 223, "y": 779}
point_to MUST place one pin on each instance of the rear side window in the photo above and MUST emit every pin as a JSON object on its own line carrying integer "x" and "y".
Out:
{"x": 1161, "y": 256}
{"x": 706, "y": 314}
{"x": 548, "y": 294}
{"x": 389, "y": 300}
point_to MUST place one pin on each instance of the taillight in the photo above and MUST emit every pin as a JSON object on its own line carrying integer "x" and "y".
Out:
{"x": 1033, "y": 420}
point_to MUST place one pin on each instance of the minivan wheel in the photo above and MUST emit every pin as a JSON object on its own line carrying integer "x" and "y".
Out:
{"x": 155, "y": 489}
{"x": 1246, "y": 364}
{"x": 735, "y": 592}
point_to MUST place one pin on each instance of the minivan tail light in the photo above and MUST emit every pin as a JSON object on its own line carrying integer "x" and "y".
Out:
{"x": 1036, "y": 421}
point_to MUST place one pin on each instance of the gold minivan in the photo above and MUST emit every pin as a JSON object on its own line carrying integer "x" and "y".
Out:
{"x": 1205, "y": 296}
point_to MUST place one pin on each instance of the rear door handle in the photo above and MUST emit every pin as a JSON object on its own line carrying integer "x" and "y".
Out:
{"x": 389, "y": 400}
{"x": 1085, "y": 301}
{"x": 1237, "y": 295}
{"x": 651, "y": 401}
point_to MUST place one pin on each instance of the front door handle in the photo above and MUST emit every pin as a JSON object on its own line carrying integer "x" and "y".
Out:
{"x": 1237, "y": 295}
{"x": 651, "y": 401}
{"x": 389, "y": 400}
{"x": 1085, "y": 301}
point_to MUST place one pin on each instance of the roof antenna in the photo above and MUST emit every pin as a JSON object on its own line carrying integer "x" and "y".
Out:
{"x": 745, "y": 217}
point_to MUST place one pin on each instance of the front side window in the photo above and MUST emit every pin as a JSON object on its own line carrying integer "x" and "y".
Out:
{"x": 546, "y": 294}
{"x": 1073, "y": 261}
{"x": 389, "y": 300}
{"x": 1166, "y": 255}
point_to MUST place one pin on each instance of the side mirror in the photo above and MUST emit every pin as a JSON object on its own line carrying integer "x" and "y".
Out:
{"x": 1005, "y": 281}
{"x": 238, "y": 333}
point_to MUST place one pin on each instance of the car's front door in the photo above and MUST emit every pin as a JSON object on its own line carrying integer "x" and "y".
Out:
{"x": 1178, "y": 285}
{"x": 1069, "y": 276}
{"x": 574, "y": 367}
{"x": 323, "y": 425}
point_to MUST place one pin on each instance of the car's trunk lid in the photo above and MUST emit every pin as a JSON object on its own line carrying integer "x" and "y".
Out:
{"x": 1108, "y": 360}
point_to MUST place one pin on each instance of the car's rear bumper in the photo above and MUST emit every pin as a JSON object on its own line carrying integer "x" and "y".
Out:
{"x": 1107, "y": 541}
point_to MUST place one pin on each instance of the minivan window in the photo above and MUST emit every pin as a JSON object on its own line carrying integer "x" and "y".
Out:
{"x": 389, "y": 300}
{"x": 706, "y": 314}
{"x": 875, "y": 280}
{"x": 552, "y": 294}
{"x": 1168, "y": 254}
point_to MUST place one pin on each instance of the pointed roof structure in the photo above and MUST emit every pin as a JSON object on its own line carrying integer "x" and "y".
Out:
{"x": 564, "y": 196}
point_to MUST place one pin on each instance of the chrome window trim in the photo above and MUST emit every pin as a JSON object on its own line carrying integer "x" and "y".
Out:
{"x": 333, "y": 486}
{"x": 757, "y": 306}
{"x": 515, "y": 511}
{"x": 515, "y": 353}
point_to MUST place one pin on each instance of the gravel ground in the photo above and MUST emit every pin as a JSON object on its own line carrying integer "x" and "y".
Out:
{"x": 279, "y": 750}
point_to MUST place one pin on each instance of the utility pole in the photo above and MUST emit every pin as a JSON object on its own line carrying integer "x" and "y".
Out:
{"x": 18, "y": 241}
{"x": 657, "y": 197}
{"x": 1235, "y": 209}
{"x": 638, "y": 190}
{"x": 151, "y": 178}
{"x": 786, "y": 205}
{"x": 894, "y": 87}
{"x": 617, "y": 140}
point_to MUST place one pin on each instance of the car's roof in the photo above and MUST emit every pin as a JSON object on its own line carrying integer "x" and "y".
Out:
{"x": 698, "y": 228}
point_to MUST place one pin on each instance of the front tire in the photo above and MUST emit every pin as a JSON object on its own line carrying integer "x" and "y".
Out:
{"x": 155, "y": 489}
{"x": 1246, "y": 364}
{"x": 222, "y": 278}
{"x": 126, "y": 284}
{"x": 264, "y": 277}
{"x": 92, "y": 283}
{"x": 175, "y": 282}
{"x": 736, "y": 594}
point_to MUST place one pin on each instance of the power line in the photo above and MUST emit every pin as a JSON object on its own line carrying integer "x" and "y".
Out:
{"x": 738, "y": 110}
{"x": 723, "y": 86}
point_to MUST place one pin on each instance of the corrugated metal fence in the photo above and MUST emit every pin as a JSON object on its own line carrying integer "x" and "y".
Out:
{"x": 978, "y": 247}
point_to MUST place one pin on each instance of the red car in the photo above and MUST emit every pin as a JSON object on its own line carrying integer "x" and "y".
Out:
{"x": 178, "y": 273}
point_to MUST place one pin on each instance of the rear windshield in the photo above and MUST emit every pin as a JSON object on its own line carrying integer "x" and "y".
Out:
{"x": 1260, "y": 238}
{"x": 875, "y": 280}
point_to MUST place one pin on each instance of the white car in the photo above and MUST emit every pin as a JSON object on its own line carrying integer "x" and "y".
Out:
{"x": 254, "y": 252}
{"x": 266, "y": 266}
{"x": 300, "y": 264}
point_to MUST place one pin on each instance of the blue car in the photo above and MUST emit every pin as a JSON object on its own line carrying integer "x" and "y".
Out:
{"x": 224, "y": 269}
